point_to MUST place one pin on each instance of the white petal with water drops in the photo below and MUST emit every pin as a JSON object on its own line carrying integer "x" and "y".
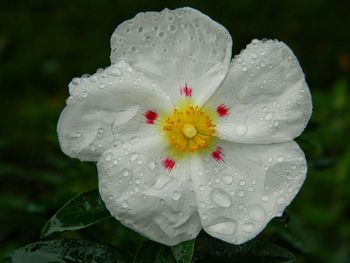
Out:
{"x": 159, "y": 205}
{"x": 256, "y": 194}
{"x": 90, "y": 125}
{"x": 269, "y": 104}
{"x": 190, "y": 48}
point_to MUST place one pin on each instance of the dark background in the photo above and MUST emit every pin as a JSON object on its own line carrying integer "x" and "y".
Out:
{"x": 44, "y": 44}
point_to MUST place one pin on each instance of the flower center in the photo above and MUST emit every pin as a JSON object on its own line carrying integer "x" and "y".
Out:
{"x": 189, "y": 128}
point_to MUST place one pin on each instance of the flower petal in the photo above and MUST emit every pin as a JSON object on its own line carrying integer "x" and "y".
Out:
{"x": 106, "y": 109}
{"x": 238, "y": 197}
{"x": 176, "y": 49}
{"x": 266, "y": 92}
{"x": 145, "y": 196}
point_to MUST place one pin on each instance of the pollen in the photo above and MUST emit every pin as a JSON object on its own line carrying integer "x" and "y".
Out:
{"x": 189, "y": 128}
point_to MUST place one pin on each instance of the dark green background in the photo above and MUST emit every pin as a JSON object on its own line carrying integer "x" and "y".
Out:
{"x": 44, "y": 44}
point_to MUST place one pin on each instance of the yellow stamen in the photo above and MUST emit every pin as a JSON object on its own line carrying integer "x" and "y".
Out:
{"x": 189, "y": 128}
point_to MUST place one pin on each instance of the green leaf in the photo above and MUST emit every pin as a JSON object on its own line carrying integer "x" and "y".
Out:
{"x": 183, "y": 252}
{"x": 209, "y": 249}
{"x": 82, "y": 211}
{"x": 152, "y": 252}
{"x": 68, "y": 251}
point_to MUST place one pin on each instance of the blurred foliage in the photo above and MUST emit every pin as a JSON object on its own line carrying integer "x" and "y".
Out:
{"x": 44, "y": 44}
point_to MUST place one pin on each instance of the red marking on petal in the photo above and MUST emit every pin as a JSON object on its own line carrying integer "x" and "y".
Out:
{"x": 222, "y": 110}
{"x": 151, "y": 116}
{"x": 187, "y": 91}
{"x": 218, "y": 154}
{"x": 168, "y": 163}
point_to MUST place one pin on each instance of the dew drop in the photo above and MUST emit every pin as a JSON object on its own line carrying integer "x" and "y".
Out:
{"x": 225, "y": 228}
{"x": 76, "y": 81}
{"x": 241, "y": 129}
{"x": 151, "y": 165}
{"x": 108, "y": 157}
{"x": 73, "y": 135}
{"x": 265, "y": 198}
{"x": 176, "y": 195}
{"x": 172, "y": 28}
{"x": 254, "y": 55}
{"x": 256, "y": 212}
{"x": 269, "y": 116}
{"x": 280, "y": 201}
{"x": 133, "y": 156}
{"x": 240, "y": 193}
{"x": 126, "y": 172}
{"x": 92, "y": 147}
{"x": 227, "y": 179}
{"x": 248, "y": 227}
{"x": 244, "y": 68}
{"x": 134, "y": 140}
{"x": 93, "y": 79}
{"x": 220, "y": 198}
{"x": 280, "y": 158}
{"x": 115, "y": 72}
{"x": 125, "y": 204}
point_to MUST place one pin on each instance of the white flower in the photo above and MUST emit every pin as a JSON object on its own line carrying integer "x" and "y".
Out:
{"x": 184, "y": 137}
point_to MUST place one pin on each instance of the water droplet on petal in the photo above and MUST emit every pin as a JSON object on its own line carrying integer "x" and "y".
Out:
{"x": 265, "y": 198}
{"x": 134, "y": 140}
{"x": 126, "y": 172}
{"x": 125, "y": 204}
{"x": 256, "y": 212}
{"x": 76, "y": 81}
{"x": 248, "y": 227}
{"x": 108, "y": 157}
{"x": 269, "y": 116}
{"x": 220, "y": 198}
{"x": 241, "y": 129}
{"x": 204, "y": 216}
{"x": 225, "y": 228}
{"x": 240, "y": 193}
{"x": 176, "y": 195}
{"x": 280, "y": 159}
{"x": 151, "y": 165}
{"x": 254, "y": 55}
{"x": 92, "y": 147}
{"x": 227, "y": 179}
{"x": 115, "y": 72}
{"x": 280, "y": 201}
{"x": 133, "y": 156}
